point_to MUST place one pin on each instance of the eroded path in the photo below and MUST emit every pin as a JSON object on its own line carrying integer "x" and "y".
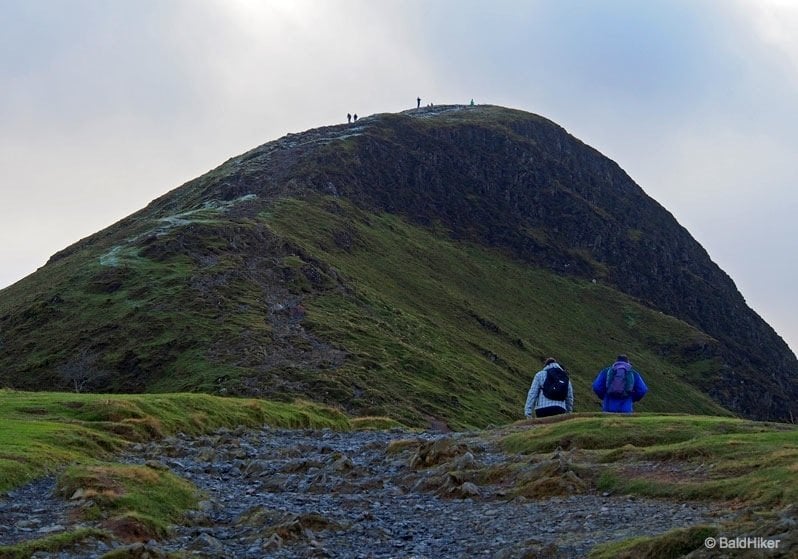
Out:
{"x": 291, "y": 494}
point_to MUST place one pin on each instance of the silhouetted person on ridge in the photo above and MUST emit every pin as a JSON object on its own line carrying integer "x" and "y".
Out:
{"x": 418, "y": 102}
{"x": 354, "y": 118}
{"x": 348, "y": 117}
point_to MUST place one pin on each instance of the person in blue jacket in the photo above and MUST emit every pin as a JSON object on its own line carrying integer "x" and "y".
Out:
{"x": 619, "y": 386}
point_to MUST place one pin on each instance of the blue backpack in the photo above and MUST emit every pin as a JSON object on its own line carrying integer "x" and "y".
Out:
{"x": 620, "y": 382}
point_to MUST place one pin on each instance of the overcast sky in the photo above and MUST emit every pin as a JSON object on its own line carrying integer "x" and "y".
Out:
{"x": 106, "y": 105}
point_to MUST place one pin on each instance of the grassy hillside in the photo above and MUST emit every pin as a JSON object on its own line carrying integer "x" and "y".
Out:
{"x": 428, "y": 285}
{"x": 516, "y": 182}
{"x": 320, "y": 300}
{"x": 455, "y": 331}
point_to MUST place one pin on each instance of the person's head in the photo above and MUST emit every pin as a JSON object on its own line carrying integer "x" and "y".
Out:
{"x": 622, "y": 357}
{"x": 549, "y": 361}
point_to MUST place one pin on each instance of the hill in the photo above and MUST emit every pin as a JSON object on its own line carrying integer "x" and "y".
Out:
{"x": 417, "y": 265}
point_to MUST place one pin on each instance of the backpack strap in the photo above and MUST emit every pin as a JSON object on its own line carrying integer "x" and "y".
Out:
{"x": 630, "y": 380}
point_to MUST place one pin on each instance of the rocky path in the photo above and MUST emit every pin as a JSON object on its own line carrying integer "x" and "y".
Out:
{"x": 296, "y": 494}
{"x": 33, "y": 511}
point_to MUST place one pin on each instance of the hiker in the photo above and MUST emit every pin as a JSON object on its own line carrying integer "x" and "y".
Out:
{"x": 619, "y": 386}
{"x": 349, "y": 117}
{"x": 472, "y": 102}
{"x": 354, "y": 118}
{"x": 418, "y": 102}
{"x": 551, "y": 392}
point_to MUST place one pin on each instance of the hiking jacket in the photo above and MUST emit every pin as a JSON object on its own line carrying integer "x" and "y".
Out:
{"x": 536, "y": 399}
{"x": 613, "y": 404}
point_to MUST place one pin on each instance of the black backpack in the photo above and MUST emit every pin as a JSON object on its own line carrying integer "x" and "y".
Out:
{"x": 555, "y": 387}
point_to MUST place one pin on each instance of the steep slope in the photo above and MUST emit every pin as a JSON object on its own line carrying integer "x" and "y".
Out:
{"x": 398, "y": 266}
{"x": 316, "y": 298}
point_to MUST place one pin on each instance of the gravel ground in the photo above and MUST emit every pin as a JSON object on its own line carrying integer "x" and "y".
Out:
{"x": 296, "y": 494}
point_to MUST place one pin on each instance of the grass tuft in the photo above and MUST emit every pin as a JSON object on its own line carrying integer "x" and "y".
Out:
{"x": 671, "y": 545}
{"x": 674, "y": 456}
{"x": 52, "y": 543}
{"x": 76, "y": 435}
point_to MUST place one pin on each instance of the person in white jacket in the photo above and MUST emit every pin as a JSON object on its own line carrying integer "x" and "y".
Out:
{"x": 544, "y": 405}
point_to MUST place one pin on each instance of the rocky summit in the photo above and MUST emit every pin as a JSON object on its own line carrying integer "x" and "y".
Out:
{"x": 417, "y": 265}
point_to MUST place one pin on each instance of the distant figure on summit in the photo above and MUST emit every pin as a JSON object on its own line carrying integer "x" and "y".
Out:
{"x": 354, "y": 118}
{"x": 551, "y": 392}
{"x": 619, "y": 386}
{"x": 349, "y": 117}
{"x": 418, "y": 102}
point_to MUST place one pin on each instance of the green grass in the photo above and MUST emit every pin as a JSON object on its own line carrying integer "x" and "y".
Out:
{"x": 137, "y": 502}
{"x": 42, "y": 431}
{"x": 738, "y": 465}
{"x": 127, "y": 316}
{"x": 432, "y": 329}
{"x": 671, "y": 545}
{"x": 618, "y": 431}
{"x": 181, "y": 296}
{"x": 710, "y": 458}
{"x": 76, "y": 435}
{"x": 436, "y": 328}
{"x": 52, "y": 543}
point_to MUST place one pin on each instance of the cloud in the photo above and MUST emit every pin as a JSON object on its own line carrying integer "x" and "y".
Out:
{"x": 107, "y": 106}
{"x": 775, "y": 21}
{"x": 104, "y": 106}
{"x": 66, "y": 59}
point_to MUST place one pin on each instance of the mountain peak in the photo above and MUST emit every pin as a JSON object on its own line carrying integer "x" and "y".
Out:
{"x": 300, "y": 267}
